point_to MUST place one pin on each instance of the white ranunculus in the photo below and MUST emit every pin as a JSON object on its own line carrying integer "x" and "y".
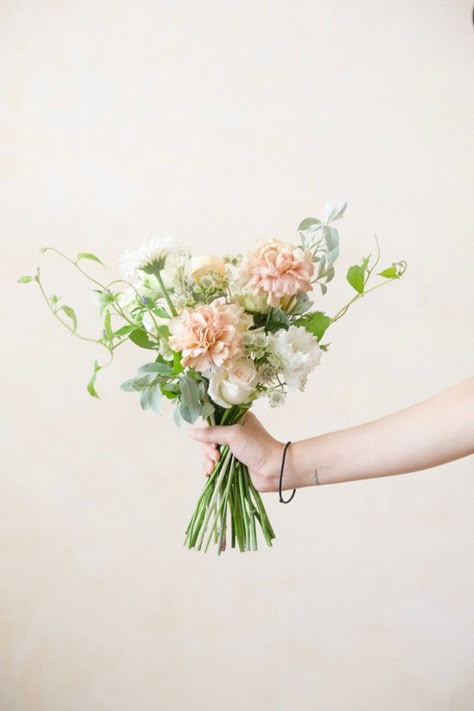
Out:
{"x": 233, "y": 385}
{"x": 296, "y": 352}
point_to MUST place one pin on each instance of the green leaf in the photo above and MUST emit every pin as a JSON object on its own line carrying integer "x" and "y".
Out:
{"x": 25, "y": 279}
{"x": 177, "y": 367}
{"x": 356, "y": 275}
{"x": 161, "y": 368}
{"x": 128, "y": 386}
{"x": 190, "y": 402}
{"x": 155, "y": 398}
{"x": 170, "y": 390}
{"x": 332, "y": 213}
{"x": 70, "y": 313}
{"x": 316, "y": 323}
{"x": 177, "y": 415}
{"x": 159, "y": 311}
{"x": 91, "y": 384}
{"x": 331, "y": 236}
{"x": 164, "y": 331}
{"x": 124, "y": 331}
{"x": 278, "y": 319}
{"x": 88, "y": 255}
{"x": 390, "y": 273}
{"x": 140, "y": 338}
{"x": 308, "y": 222}
{"x": 303, "y": 303}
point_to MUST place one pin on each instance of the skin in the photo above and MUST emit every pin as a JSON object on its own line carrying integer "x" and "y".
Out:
{"x": 427, "y": 434}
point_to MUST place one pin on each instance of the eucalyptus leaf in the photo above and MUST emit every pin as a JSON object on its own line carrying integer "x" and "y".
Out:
{"x": 308, "y": 222}
{"x": 129, "y": 386}
{"x": 190, "y": 401}
{"x": 156, "y": 367}
{"x": 331, "y": 236}
{"x": 333, "y": 212}
{"x": 303, "y": 303}
{"x": 177, "y": 415}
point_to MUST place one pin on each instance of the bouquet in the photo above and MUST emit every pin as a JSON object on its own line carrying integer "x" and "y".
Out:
{"x": 221, "y": 332}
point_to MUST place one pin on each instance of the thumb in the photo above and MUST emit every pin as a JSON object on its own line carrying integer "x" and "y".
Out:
{"x": 217, "y": 434}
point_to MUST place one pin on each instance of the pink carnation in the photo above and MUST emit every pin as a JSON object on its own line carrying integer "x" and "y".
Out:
{"x": 209, "y": 334}
{"x": 277, "y": 270}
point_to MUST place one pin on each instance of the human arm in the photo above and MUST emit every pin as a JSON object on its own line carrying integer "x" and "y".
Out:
{"x": 427, "y": 434}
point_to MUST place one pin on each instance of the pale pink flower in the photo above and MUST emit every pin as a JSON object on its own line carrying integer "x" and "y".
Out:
{"x": 276, "y": 270}
{"x": 209, "y": 335}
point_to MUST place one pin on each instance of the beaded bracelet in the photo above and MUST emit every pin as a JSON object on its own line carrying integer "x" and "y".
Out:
{"x": 282, "y": 500}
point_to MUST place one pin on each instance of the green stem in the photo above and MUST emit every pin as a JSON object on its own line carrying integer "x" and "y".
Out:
{"x": 165, "y": 293}
{"x": 67, "y": 325}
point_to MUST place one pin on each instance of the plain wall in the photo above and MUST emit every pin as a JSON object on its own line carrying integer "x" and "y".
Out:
{"x": 224, "y": 123}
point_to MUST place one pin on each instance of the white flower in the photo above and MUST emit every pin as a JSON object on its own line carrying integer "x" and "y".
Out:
{"x": 233, "y": 385}
{"x": 295, "y": 352}
{"x": 150, "y": 255}
{"x": 203, "y": 266}
{"x": 276, "y": 396}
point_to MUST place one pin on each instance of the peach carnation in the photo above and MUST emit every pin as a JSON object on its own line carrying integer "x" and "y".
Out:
{"x": 276, "y": 270}
{"x": 209, "y": 335}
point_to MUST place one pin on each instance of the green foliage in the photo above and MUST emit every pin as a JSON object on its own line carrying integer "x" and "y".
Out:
{"x": 140, "y": 337}
{"x": 91, "y": 384}
{"x": 316, "y": 323}
{"x": 307, "y": 223}
{"x": 303, "y": 303}
{"x": 390, "y": 273}
{"x": 190, "y": 401}
{"x": 356, "y": 275}
{"x": 25, "y": 279}
{"x": 70, "y": 313}
{"x": 151, "y": 397}
{"x": 89, "y": 255}
{"x": 277, "y": 319}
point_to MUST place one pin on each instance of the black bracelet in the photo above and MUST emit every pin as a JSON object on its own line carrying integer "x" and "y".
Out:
{"x": 282, "y": 500}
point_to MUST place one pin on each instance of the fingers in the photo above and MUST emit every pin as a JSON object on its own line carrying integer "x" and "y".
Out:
{"x": 214, "y": 435}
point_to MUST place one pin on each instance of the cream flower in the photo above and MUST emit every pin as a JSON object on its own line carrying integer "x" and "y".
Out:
{"x": 201, "y": 266}
{"x": 150, "y": 255}
{"x": 209, "y": 335}
{"x": 295, "y": 352}
{"x": 233, "y": 385}
{"x": 276, "y": 270}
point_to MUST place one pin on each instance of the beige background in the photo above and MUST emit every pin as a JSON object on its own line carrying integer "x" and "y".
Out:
{"x": 223, "y": 123}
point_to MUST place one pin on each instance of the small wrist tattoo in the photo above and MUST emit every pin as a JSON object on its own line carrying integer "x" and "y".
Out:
{"x": 316, "y": 477}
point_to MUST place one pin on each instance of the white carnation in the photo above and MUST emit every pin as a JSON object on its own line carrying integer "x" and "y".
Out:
{"x": 295, "y": 353}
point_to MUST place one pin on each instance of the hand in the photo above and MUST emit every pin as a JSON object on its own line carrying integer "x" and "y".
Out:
{"x": 250, "y": 443}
